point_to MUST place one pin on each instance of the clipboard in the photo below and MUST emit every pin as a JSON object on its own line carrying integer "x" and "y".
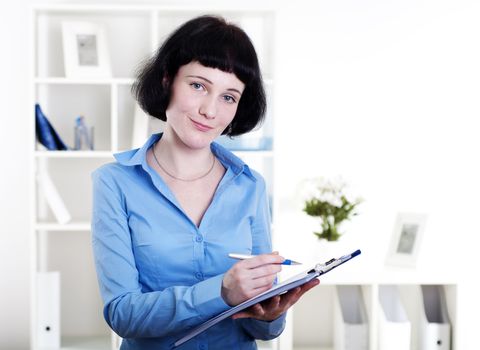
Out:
{"x": 283, "y": 287}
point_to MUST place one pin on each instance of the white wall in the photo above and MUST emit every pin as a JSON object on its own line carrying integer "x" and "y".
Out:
{"x": 14, "y": 247}
{"x": 383, "y": 92}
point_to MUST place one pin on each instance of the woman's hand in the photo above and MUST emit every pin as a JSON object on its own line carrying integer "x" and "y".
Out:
{"x": 250, "y": 277}
{"x": 272, "y": 308}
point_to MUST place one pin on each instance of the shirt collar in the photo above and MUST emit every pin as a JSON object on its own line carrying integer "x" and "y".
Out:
{"x": 228, "y": 159}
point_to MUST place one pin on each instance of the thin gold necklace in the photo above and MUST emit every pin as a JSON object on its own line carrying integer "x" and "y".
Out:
{"x": 178, "y": 178}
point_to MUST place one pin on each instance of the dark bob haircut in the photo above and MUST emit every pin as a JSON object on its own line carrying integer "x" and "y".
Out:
{"x": 214, "y": 43}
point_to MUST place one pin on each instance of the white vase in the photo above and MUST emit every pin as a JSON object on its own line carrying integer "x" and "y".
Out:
{"x": 326, "y": 250}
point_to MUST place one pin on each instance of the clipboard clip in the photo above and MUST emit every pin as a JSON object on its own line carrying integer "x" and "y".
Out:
{"x": 322, "y": 268}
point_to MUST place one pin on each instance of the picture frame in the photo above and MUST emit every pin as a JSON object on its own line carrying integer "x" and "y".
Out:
{"x": 406, "y": 239}
{"x": 85, "y": 50}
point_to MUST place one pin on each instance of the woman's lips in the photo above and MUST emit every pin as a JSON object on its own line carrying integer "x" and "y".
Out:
{"x": 201, "y": 126}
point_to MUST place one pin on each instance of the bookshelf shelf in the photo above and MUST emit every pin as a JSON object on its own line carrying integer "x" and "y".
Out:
{"x": 78, "y": 226}
{"x": 73, "y": 154}
{"x": 70, "y": 81}
{"x": 86, "y": 343}
{"x": 247, "y": 154}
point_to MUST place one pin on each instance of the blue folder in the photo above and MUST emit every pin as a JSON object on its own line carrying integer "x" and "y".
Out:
{"x": 46, "y": 134}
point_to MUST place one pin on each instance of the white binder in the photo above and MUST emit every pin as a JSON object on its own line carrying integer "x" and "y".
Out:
{"x": 351, "y": 324}
{"x": 48, "y": 310}
{"x": 435, "y": 330}
{"x": 394, "y": 327}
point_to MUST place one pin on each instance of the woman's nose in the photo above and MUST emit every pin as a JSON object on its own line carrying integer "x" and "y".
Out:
{"x": 208, "y": 108}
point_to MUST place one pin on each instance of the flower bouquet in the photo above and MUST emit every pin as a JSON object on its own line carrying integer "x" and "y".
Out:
{"x": 327, "y": 200}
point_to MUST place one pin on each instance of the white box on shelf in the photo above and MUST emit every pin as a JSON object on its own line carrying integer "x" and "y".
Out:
{"x": 350, "y": 319}
{"x": 48, "y": 310}
{"x": 394, "y": 327}
{"x": 435, "y": 324}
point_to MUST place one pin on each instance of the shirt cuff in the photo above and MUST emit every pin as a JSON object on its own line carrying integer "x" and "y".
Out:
{"x": 208, "y": 298}
{"x": 264, "y": 330}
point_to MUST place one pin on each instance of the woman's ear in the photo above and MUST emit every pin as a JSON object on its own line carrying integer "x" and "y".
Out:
{"x": 165, "y": 82}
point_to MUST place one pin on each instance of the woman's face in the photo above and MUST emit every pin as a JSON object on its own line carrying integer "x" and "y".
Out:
{"x": 203, "y": 103}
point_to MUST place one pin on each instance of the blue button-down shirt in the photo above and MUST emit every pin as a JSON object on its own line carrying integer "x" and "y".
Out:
{"x": 159, "y": 274}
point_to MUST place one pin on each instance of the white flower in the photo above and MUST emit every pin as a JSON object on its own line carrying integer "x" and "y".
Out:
{"x": 326, "y": 190}
{"x": 335, "y": 200}
{"x": 308, "y": 189}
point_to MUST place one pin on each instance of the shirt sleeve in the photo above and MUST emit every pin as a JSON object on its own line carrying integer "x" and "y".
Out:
{"x": 130, "y": 312}
{"x": 262, "y": 243}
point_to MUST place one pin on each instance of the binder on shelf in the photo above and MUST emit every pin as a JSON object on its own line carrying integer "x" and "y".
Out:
{"x": 351, "y": 324}
{"x": 48, "y": 310}
{"x": 394, "y": 327}
{"x": 53, "y": 198}
{"x": 435, "y": 330}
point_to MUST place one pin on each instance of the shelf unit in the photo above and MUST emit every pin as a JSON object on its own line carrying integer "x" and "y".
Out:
{"x": 311, "y": 322}
{"x": 107, "y": 105}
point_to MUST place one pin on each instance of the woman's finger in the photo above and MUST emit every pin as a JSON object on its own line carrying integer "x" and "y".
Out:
{"x": 255, "y": 311}
{"x": 265, "y": 270}
{"x": 263, "y": 259}
{"x": 262, "y": 282}
{"x": 295, "y": 294}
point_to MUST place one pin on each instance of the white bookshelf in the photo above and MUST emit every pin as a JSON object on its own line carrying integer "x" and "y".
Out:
{"x": 107, "y": 105}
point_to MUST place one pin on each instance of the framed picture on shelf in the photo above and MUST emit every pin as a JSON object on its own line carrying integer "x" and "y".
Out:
{"x": 85, "y": 50}
{"x": 406, "y": 239}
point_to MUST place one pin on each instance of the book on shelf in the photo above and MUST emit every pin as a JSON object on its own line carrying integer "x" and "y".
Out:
{"x": 53, "y": 198}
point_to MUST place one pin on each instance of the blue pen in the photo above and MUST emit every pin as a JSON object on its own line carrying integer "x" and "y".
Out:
{"x": 244, "y": 256}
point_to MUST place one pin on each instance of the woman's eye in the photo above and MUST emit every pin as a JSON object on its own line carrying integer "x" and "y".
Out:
{"x": 229, "y": 99}
{"x": 196, "y": 86}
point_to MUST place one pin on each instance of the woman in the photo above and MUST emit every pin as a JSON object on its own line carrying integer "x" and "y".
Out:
{"x": 166, "y": 216}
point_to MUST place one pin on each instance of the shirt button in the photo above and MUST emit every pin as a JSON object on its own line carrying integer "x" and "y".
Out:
{"x": 199, "y": 238}
{"x": 203, "y": 347}
{"x": 199, "y": 276}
